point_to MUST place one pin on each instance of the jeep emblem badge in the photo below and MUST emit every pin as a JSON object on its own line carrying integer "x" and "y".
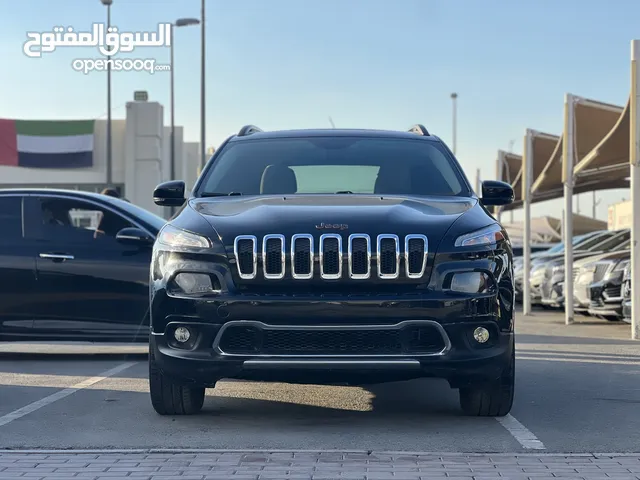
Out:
{"x": 332, "y": 226}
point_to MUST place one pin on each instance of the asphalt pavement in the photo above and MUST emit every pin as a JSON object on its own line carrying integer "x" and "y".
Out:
{"x": 577, "y": 392}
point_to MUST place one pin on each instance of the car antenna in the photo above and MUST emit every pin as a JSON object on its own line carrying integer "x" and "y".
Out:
{"x": 333, "y": 125}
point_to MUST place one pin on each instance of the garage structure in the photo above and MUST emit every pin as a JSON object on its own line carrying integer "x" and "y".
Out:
{"x": 599, "y": 149}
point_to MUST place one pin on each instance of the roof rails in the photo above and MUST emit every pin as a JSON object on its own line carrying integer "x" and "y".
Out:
{"x": 420, "y": 130}
{"x": 248, "y": 130}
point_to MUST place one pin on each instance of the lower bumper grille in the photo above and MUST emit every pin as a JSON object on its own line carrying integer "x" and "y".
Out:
{"x": 406, "y": 338}
{"x": 613, "y": 292}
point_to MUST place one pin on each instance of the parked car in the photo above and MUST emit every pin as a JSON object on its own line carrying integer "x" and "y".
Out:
{"x": 606, "y": 294}
{"x": 323, "y": 256}
{"x": 535, "y": 248}
{"x": 589, "y": 270}
{"x": 626, "y": 294}
{"x": 580, "y": 242}
{"x": 547, "y": 276}
{"x": 74, "y": 266}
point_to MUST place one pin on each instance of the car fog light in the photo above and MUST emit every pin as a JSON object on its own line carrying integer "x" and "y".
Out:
{"x": 194, "y": 282}
{"x": 182, "y": 334}
{"x": 481, "y": 335}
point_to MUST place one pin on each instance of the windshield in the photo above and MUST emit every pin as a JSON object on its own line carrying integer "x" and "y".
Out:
{"x": 329, "y": 165}
{"x": 146, "y": 216}
{"x": 557, "y": 249}
{"x": 592, "y": 242}
{"x": 626, "y": 245}
{"x": 560, "y": 246}
{"x": 616, "y": 239}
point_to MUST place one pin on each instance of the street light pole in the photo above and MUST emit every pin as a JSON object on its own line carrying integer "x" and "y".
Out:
{"x": 454, "y": 98}
{"x": 172, "y": 168}
{"x": 181, "y": 22}
{"x": 203, "y": 143}
{"x": 108, "y": 3}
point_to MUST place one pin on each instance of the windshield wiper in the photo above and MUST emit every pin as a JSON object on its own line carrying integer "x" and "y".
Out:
{"x": 342, "y": 192}
{"x": 216, "y": 194}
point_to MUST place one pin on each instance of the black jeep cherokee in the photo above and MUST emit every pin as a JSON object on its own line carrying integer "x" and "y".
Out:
{"x": 332, "y": 256}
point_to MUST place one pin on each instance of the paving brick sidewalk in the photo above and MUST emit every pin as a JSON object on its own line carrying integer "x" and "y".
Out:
{"x": 163, "y": 465}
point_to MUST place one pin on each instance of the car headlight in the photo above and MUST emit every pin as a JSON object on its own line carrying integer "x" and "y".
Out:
{"x": 485, "y": 236}
{"x": 171, "y": 236}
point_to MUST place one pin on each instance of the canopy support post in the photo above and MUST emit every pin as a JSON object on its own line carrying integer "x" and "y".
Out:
{"x": 634, "y": 158}
{"x": 527, "y": 170}
{"x": 568, "y": 156}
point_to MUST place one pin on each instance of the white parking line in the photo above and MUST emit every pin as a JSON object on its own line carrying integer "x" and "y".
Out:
{"x": 43, "y": 402}
{"x": 521, "y": 433}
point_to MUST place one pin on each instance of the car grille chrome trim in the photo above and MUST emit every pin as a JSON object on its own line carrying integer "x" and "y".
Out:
{"x": 358, "y": 249}
{"x": 407, "y": 255}
{"x": 600, "y": 270}
{"x": 254, "y": 256}
{"x": 267, "y": 255}
{"x": 261, "y": 325}
{"x": 379, "y": 252}
{"x": 323, "y": 259}
{"x": 367, "y": 252}
{"x": 310, "y": 252}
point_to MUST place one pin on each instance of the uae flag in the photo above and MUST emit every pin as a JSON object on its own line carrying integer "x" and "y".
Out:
{"x": 46, "y": 143}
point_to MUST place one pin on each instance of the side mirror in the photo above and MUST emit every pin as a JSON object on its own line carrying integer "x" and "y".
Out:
{"x": 496, "y": 193}
{"x": 169, "y": 194}
{"x": 134, "y": 236}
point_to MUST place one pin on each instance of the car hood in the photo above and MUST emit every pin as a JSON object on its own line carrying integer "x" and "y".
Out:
{"x": 346, "y": 214}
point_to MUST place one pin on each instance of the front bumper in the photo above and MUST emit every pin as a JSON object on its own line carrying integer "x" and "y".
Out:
{"x": 626, "y": 310}
{"x": 552, "y": 291}
{"x": 304, "y": 341}
{"x": 603, "y": 303}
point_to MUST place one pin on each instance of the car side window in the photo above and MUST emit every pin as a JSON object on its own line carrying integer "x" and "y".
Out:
{"x": 75, "y": 221}
{"x": 10, "y": 219}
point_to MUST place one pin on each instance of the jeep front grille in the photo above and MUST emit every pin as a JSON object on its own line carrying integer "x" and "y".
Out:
{"x": 332, "y": 250}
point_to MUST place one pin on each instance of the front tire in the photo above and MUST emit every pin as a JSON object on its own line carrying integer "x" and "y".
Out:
{"x": 493, "y": 400}
{"x": 169, "y": 398}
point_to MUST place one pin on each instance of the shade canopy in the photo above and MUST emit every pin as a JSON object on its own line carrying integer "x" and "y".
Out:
{"x": 543, "y": 146}
{"x": 549, "y": 229}
{"x": 608, "y": 161}
{"x": 509, "y": 169}
{"x": 593, "y": 121}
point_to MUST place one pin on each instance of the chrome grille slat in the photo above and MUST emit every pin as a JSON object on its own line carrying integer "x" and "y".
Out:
{"x": 273, "y": 256}
{"x": 295, "y": 273}
{"x": 384, "y": 259}
{"x": 331, "y": 252}
{"x": 326, "y": 257}
{"x": 240, "y": 252}
{"x": 410, "y": 256}
{"x": 354, "y": 263}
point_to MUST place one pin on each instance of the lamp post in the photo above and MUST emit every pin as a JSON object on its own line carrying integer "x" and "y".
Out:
{"x": 181, "y": 22}
{"x": 454, "y": 98}
{"x": 203, "y": 144}
{"x": 108, "y": 3}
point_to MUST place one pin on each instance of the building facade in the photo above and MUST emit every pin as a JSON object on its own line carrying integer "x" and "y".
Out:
{"x": 141, "y": 155}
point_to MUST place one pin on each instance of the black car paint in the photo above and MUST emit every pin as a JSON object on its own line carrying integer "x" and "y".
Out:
{"x": 328, "y": 302}
{"x": 100, "y": 294}
{"x": 607, "y": 294}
